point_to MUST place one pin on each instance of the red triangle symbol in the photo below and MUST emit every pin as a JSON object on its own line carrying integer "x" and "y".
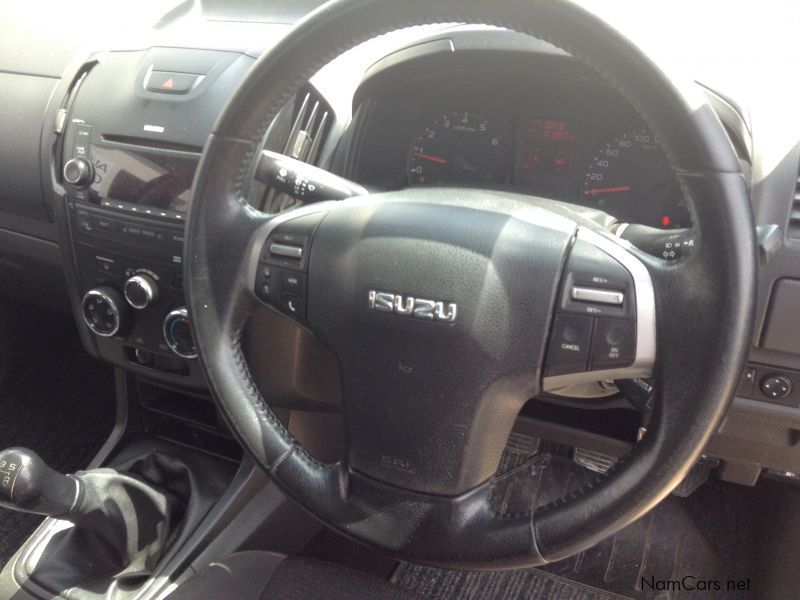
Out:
{"x": 168, "y": 84}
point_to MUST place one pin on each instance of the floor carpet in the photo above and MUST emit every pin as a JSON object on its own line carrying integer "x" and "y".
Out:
{"x": 706, "y": 537}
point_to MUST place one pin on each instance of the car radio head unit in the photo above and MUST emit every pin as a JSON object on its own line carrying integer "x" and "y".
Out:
{"x": 147, "y": 178}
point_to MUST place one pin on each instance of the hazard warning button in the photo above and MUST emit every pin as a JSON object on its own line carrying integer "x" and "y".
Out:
{"x": 168, "y": 82}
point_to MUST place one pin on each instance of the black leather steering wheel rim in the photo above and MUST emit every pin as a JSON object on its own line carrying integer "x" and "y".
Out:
{"x": 705, "y": 303}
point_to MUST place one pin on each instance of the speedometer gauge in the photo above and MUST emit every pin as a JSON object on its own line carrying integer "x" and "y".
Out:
{"x": 457, "y": 148}
{"x": 630, "y": 178}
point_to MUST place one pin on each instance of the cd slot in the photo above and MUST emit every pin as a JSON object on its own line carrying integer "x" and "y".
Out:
{"x": 150, "y": 144}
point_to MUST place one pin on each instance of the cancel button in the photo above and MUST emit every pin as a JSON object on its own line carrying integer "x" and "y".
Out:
{"x": 568, "y": 351}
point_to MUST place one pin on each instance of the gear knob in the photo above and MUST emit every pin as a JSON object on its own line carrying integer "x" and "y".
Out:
{"x": 27, "y": 484}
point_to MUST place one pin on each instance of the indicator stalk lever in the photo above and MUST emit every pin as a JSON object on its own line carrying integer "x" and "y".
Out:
{"x": 669, "y": 244}
{"x": 303, "y": 181}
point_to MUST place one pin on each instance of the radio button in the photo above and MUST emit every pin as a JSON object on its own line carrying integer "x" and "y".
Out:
{"x": 104, "y": 224}
{"x": 151, "y": 234}
{"x": 83, "y": 134}
{"x": 107, "y": 265}
{"x": 176, "y": 237}
{"x": 130, "y": 230}
{"x": 83, "y": 220}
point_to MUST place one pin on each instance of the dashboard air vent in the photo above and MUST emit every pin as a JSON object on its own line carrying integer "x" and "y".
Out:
{"x": 794, "y": 216}
{"x": 309, "y": 129}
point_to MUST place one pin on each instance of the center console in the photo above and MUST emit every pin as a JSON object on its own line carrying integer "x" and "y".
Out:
{"x": 128, "y": 137}
{"x": 131, "y": 132}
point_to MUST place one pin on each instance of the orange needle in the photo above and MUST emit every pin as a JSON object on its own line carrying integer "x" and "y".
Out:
{"x": 436, "y": 159}
{"x": 608, "y": 190}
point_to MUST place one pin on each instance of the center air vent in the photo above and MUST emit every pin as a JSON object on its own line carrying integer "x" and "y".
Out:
{"x": 310, "y": 128}
{"x": 794, "y": 216}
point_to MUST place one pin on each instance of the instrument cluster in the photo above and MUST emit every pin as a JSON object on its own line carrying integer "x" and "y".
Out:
{"x": 571, "y": 140}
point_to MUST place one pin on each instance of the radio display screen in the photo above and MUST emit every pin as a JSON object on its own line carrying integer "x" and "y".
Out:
{"x": 149, "y": 179}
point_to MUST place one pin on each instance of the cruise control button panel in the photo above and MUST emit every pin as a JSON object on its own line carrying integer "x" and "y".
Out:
{"x": 596, "y": 284}
{"x": 594, "y": 328}
{"x": 282, "y": 276}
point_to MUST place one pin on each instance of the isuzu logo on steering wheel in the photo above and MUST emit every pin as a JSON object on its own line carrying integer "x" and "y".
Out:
{"x": 421, "y": 308}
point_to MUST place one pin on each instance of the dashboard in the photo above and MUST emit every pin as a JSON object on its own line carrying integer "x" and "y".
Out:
{"x": 452, "y": 107}
{"x": 542, "y": 132}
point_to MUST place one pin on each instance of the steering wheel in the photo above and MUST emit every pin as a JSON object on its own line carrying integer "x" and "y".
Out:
{"x": 439, "y": 304}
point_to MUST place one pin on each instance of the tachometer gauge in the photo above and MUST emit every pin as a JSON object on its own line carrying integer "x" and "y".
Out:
{"x": 630, "y": 178}
{"x": 457, "y": 148}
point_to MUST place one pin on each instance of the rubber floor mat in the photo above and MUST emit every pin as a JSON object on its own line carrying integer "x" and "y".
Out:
{"x": 62, "y": 408}
{"x": 529, "y": 584}
{"x": 703, "y": 538}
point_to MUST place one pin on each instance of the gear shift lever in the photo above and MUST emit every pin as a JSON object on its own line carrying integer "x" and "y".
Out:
{"x": 125, "y": 518}
{"x": 27, "y": 484}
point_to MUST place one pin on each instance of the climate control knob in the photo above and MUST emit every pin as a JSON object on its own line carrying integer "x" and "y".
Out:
{"x": 178, "y": 333}
{"x": 141, "y": 291}
{"x": 78, "y": 171}
{"x": 105, "y": 312}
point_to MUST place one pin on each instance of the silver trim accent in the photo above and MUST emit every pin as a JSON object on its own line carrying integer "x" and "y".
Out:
{"x": 585, "y": 294}
{"x": 112, "y": 304}
{"x": 77, "y": 493}
{"x": 83, "y": 171}
{"x": 621, "y": 229}
{"x": 645, "y": 318}
{"x": 421, "y": 308}
{"x": 149, "y": 287}
{"x": 183, "y": 313}
{"x": 594, "y": 461}
{"x": 286, "y": 250}
{"x": 61, "y": 120}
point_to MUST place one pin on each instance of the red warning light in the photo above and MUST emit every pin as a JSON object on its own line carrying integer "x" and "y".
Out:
{"x": 168, "y": 84}
{"x": 666, "y": 221}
